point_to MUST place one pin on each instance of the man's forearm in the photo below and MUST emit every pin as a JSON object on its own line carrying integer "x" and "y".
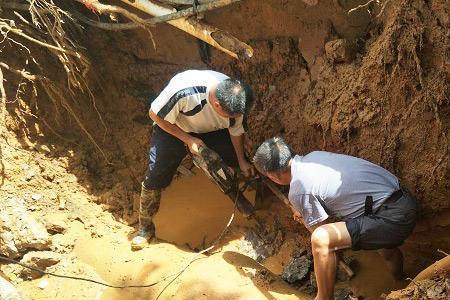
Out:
{"x": 170, "y": 128}
{"x": 238, "y": 145}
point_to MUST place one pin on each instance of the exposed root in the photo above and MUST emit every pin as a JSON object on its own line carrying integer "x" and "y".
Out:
{"x": 57, "y": 96}
{"x": 366, "y": 5}
{"x": 96, "y": 6}
{"x": 47, "y": 20}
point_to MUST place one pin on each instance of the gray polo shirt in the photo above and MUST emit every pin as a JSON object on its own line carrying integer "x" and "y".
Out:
{"x": 343, "y": 182}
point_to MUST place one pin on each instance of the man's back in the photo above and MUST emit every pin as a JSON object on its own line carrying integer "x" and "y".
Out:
{"x": 342, "y": 182}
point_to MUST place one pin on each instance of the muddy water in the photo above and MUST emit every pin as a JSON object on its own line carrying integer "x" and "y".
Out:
{"x": 194, "y": 211}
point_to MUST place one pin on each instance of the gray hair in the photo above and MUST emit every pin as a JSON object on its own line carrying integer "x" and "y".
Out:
{"x": 273, "y": 155}
{"x": 234, "y": 96}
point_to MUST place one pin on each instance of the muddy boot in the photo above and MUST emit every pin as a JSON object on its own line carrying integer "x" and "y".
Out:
{"x": 149, "y": 205}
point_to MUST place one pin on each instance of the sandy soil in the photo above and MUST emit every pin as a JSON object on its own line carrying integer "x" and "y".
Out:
{"x": 385, "y": 100}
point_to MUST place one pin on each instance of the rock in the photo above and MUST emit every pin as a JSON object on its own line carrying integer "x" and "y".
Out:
{"x": 36, "y": 196}
{"x": 61, "y": 203}
{"x": 43, "y": 284}
{"x": 19, "y": 230}
{"x": 339, "y": 51}
{"x": 297, "y": 269}
{"x": 56, "y": 223}
{"x": 29, "y": 175}
{"x": 263, "y": 241}
{"x": 40, "y": 260}
{"x": 9, "y": 291}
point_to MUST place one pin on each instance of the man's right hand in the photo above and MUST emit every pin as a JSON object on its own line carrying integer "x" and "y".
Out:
{"x": 297, "y": 217}
{"x": 194, "y": 145}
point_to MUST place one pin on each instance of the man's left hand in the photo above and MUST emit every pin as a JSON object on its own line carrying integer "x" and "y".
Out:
{"x": 246, "y": 168}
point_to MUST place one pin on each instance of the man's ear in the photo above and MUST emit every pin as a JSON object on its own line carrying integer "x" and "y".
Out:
{"x": 216, "y": 104}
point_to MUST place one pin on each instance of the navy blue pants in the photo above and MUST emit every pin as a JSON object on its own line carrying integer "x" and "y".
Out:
{"x": 167, "y": 152}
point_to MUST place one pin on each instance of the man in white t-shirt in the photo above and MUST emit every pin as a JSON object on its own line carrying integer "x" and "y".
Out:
{"x": 374, "y": 211}
{"x": 196, "y": 108}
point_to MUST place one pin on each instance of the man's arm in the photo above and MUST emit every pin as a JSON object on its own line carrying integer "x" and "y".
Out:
{"x": 238, "y": 145}
{"x": 192, "y": 142}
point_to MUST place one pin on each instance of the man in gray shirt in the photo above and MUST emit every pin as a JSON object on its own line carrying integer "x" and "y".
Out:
{"x": 374, "y": 212}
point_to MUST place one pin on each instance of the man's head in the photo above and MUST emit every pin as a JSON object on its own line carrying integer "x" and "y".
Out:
{"x": 230, "y": 98}
{"x": 273, "y": 159}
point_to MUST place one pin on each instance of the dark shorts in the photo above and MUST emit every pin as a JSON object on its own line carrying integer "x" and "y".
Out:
{"x": 167, "y": 152}
{"x": 387, "y": 228}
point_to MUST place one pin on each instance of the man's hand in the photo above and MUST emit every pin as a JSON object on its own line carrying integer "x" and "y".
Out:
{"x": 246, "y": 168}
{"x": 194, "y": 145}
{"x": 297, "y": 217}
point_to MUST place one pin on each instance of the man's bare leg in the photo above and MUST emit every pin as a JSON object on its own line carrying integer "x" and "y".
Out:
{"x": 325, "y": 241}
{"x": 394, "y": 261}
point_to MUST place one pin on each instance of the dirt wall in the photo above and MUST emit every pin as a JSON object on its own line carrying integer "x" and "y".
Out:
{"x": 371, "y": 83}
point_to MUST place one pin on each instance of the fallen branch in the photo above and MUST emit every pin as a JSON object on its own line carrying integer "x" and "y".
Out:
{"x": 198, "y": 29}
{"x": 155, "y": 20}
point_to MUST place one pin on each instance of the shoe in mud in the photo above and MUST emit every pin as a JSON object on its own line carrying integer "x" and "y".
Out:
{"x": 144, "y": 236}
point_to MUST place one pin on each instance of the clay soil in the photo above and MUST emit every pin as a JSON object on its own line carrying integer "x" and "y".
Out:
{"x": 372, "y": 83}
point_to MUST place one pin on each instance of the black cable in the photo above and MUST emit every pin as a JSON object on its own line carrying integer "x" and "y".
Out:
{"x": 10, "y": 260}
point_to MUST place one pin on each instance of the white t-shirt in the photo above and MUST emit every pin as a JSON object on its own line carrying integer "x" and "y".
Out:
{"x": 341, "y": 182}
{"x": 184, "y": 102}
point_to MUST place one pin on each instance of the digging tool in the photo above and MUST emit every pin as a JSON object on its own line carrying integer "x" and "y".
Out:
{"x": 276, "y": 191}
{"x": 220, "y": 174}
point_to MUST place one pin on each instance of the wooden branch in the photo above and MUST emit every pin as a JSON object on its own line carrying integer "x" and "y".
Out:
{"x": 197, "y": 29}
{"x": 164, "y": 18}
{"x": 217, "y": 38}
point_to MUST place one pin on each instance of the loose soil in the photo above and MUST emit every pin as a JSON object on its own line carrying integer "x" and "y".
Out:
{"x": 374, "y": 85}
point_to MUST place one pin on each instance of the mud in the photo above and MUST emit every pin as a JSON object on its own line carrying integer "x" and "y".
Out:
{"x": 372, "y": 83}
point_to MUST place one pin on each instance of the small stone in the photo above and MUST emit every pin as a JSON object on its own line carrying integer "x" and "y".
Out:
{"x": 339, "y": 51}
{"x": 297, "y": 269}
{"x": 36, "y": 196}
{"x": 43, "y": 284}
{"x": 30, "y": 174}
{"x": 62, "y": 203}
{"x": 40, "y": 260}
{"x": 45, "y": 149}
{"x": 56, "y": 223}
{"x": 20, "y": 230}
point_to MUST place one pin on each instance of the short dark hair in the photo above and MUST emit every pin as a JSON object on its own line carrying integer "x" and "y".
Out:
{"x": 273, "y": 155}
{"x": 234, "y": 96}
